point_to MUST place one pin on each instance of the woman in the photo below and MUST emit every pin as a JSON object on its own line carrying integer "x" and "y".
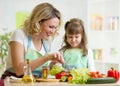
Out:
{"x": 31, "y": 41}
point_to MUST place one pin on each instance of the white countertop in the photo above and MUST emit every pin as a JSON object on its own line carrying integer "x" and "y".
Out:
{"x": 7, "y": 83}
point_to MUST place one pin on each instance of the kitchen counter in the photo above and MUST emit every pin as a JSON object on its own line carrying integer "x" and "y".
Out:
{"x": 7, "y": 83}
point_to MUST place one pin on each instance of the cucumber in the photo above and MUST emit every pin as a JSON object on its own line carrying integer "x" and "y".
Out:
{"x": 63, "y": 79}
{"x": 101, "y": 80}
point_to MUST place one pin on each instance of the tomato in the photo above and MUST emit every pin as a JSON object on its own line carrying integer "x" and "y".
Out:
{"x": 92, "y": 73}
{"x": 100, "y": 76}
{"x": 96, "y": 74}
{"x": 113, "y": 73}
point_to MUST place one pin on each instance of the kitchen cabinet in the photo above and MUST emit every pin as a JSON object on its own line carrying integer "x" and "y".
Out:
{"x": 104, "y": 33}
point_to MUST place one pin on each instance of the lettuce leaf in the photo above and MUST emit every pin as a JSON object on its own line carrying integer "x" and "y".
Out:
{"x": 80, "y": 76}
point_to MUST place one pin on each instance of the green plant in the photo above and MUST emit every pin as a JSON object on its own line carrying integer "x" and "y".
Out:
{"x": 4, "y": 46}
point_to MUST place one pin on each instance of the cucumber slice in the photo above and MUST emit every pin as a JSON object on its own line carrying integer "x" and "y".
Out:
{"x": 63, "y": 79}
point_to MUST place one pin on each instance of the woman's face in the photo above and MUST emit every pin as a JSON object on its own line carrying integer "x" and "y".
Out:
{"x": 49, "y": 27}
{"x": 74, "y": 40}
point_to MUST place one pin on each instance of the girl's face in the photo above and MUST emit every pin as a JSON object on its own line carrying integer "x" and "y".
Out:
{"x": 49, "y": 27}
{"x": 74, "y": 40}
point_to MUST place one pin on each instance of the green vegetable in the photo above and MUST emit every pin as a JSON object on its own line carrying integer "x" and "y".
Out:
{"x": 56, "y": 69}
{"x": 80, "y": 76}
{"x": 104, "y": 80}
{"x": 64, "y": 78}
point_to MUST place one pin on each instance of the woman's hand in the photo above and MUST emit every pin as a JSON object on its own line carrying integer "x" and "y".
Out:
{"x": 56, "y": 57}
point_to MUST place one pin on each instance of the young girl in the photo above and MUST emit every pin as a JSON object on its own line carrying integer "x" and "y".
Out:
{"x": 75, "y": 51}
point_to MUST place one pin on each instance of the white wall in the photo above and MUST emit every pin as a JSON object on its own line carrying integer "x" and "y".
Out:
{"x": 68, "y": 8}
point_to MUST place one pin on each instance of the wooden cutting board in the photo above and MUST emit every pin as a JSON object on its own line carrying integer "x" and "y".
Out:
{"x": 47, "y": 80}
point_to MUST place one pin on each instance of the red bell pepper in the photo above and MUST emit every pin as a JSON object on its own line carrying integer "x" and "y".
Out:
{"x": 113, "y": 73}
{"x": 59, "y": 75}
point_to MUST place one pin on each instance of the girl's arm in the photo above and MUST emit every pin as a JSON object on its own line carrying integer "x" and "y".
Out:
{"x": 91, "y": 64}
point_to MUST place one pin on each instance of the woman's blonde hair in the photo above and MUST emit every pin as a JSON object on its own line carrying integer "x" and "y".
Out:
{"x": 40, "y": 13}
{"x": 75, "y": 26}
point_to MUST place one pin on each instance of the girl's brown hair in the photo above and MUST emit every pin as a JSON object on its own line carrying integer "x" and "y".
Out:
{"x": 75, "y": 26}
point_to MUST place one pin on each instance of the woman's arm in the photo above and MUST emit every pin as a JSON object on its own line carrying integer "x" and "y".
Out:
{"x": 17, "y": 55}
